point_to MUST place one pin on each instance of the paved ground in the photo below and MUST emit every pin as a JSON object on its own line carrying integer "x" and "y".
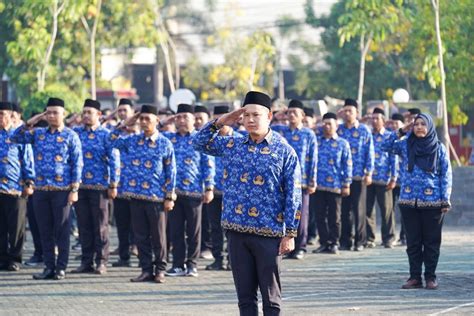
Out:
{"x": 366, "y": 283}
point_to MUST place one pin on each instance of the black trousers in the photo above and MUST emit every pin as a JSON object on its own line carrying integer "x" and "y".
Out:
{"x": 312, "y": 226}
{"x": 302, "y": 236}
{"x": 124, "y": 227}
{"x": 423, "y": 231}
{"x": 34, "y": 229}
{"x": 328, "y": 217}
{"x": 396, "y": 208}
{"x": 214, "y": 211}
{"x": 255, "y": 264}
{"x": 353, "y": 212}
{"x": 149, "y": 229}
{"x": 93, "y": 222}
{"x": 185, "y": 225}
{"x": 12, "y": 228}
{"x": 206, "y": 238}
{"x": 379, "y": 193}
{"x": 52, "y": 214}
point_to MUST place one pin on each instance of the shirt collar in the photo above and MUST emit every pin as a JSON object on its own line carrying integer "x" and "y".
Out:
{"x": 335, "y": 136}
{"x": 356, "y": 124}
{"x": 59, "y": 129}
{"x": 92, "y": 128}
{"x": 268, "y": 137}
{"x": 381, "y": 132}
{"x": 153, "y": 137}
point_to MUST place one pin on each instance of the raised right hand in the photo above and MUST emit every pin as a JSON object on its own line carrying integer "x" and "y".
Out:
{"x": 231, "y": 118}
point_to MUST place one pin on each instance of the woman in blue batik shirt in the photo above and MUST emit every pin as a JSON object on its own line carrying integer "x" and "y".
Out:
{"x": 424, "y": 197}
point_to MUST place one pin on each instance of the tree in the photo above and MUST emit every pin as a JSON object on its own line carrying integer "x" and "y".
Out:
{"x": 93, "y": 12}
{"x": 248, "y": 64}
{"x": 368, "y": 21}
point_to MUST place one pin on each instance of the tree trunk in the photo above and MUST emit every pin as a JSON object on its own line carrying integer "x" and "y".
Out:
{"x": 177, "y": 74}
{"x": 92, "y": 44}
{"x": 364, "y": 49}
{"x": 43, "y": 71}
{"x": 281, "y": 78}
{"x": 445, "y": 139}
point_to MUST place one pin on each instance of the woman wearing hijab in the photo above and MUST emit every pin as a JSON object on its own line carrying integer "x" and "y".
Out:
{"x": 424, "y": 196}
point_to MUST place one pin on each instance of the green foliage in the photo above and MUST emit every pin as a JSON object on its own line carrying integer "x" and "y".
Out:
{"x": 248, "y": 63}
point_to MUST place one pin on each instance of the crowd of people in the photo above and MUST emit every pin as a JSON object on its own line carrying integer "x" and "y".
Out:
{"x": 270, "y": 182}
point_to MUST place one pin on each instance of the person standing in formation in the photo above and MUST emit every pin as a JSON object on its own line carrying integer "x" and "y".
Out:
{"x": 17, "y": 177}
{"x": 100, "y": 177}
{"x": 151, "y": 190}
{"x": 58, "y": 167}
{"x": 261, "y": 201}
{"x": 334, "y": 177}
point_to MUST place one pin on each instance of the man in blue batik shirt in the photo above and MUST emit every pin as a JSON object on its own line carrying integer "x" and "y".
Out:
{"x": 16, "y": 180}
{"x": 353, "y": 212}
{"x": 100, "y": 177}
{"x": 194, "y": 186}
{"x": 262, "y": 200}
{"x": 384, "y": 179}
{"x": 151, "y": 189}
{"x": 58, "y": 167}
{"x": 334, "y": 180}
{"x": 303, "y": 141}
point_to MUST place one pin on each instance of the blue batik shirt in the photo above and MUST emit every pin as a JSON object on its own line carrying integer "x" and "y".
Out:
{"x": 420, "y": 188}
{"x": 152, "y": 168}
{"x": 58, "y": 156}
{"x": 360, "y": 139}
{"x": 219, "y": 178}
{"x": 101, "y": 161}
{"x": 196, "y": 171}
{"x": 16, "y": 164}
{"x": 262, "y": 192}
{"x": 334, "y": 164}
{"x": 125, "y": 163}
{"x": 385, "y": 164}
{"x": 303, "y": 140}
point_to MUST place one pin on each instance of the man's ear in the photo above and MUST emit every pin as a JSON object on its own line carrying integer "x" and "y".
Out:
{"x": 270, "y": 115}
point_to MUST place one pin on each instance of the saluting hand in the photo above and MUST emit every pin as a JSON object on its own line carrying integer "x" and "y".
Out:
{"x": 408, "y": 127}
{"x": 231, "y": 118}
{"x": 35, "y": 119}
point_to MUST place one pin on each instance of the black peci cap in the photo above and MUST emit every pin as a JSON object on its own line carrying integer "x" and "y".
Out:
{"x": 329, "y": 115}
{"x": 378, "y": 111}
{"x": 201, "y": 109}
{"x": 398, "y": 117}
{"x": 185, "y": 108}
{"x": 221, "y": 109}
{"x": 146, "y": 108}
{"x": 255, "y": 97}
{"x": 308, "y": 112}
{"x": 296, "y": 104}
{"x": 125, "y": 101}
{"x": 55, "y": 102}
{"x": 6, "y": 106}
{"x": 350, "y": 102}
{"x": 92, "y": 104}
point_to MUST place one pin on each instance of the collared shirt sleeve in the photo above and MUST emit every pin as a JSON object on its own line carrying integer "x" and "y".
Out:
{"x": 393, "y": 145}
{"x": 312, "y": 164}
{"x": 113, "y": 157}
{"x": 208, "y": 171}
{"x": 346, "y": 165}
{"x": 369, "y": 154}
{"x": 292, "y": 194}
{"x": 27, "y": 163}
{"x": 206, "y": 140}
{"x": 393, "y": 167}
{"x": 169, "y": 168}
{"x": 22, "y": 135}
{"x": 75, "y": 153}
{"x": 445, "y": 177}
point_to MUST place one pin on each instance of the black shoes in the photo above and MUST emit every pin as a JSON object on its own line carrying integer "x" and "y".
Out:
{"x": 83, "y": 269}
{"x": 216, "y": 266}
{"x": 144, "y": 277}
{"x": 299, "y": 254}
{"x": 321, "y": 249}
{"x": 47, "y": 274}
{"x": 122, "y": 263}
{"x": 333, "y": 249}
{"x": 34, "y": 261}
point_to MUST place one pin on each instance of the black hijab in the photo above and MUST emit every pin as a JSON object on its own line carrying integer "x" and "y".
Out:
{"x": 423, "y": 151}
